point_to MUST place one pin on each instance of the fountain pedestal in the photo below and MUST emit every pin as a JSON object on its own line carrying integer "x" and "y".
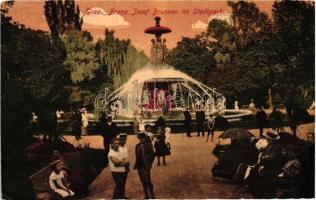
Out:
{"x": 159, "y": 49}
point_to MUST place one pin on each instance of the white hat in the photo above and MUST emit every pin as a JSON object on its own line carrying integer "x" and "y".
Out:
{"x": 272, "y": 134}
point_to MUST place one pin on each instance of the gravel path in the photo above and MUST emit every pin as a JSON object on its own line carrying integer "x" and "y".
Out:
{"x": 186, "y": 176}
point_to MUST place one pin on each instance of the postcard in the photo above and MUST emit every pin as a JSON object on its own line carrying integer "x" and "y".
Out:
{"x": 159, "y": 99}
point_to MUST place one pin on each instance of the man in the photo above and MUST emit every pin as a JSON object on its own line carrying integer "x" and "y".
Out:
{"x": 211, "y": 127}
{"x": 276, "y": 120}
{"x": 76, "y": 124}
{"x": 148, "y": 132}
{"x": 118, "y": 169}
{"x": 261, "y": 118}
{"x": 200, "y": 118}
{"x": 109, "y": 131}
{"x": 187, "y": 122}
{"x": 144, "y": 158}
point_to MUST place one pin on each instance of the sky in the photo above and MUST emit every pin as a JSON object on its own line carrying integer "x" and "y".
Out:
{"x": 129, "y": 19}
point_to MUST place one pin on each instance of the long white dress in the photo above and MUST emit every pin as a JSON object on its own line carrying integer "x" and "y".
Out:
{"x": 236, "y": 105}
{"x": 56, "y": 184}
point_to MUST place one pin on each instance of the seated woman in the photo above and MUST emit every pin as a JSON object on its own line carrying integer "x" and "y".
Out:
{"x": 57, "y": 181}
{"x": 72, "y": 177}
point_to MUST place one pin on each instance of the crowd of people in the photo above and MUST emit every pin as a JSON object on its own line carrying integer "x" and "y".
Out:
{"x": 154, "y": 142}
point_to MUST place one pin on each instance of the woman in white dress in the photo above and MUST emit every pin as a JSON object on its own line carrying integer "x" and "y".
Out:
{"x": 57, "y": 182}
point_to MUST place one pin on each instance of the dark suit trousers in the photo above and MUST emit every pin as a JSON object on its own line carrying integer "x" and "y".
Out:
{"x": 106, "y": 144}
{"x": 145, "y": 178}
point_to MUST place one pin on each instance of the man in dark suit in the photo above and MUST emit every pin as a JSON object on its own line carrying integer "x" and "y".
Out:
{"x": 187, "y": 122}
{"x": 200, "y": 118}
{"x": 144, "y": 158}
{"x": 109, "y": 131}
{"x": 261, "y": 118}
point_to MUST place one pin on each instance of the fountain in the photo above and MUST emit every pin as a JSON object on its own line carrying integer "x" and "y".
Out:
{"x": 159, "y": 89}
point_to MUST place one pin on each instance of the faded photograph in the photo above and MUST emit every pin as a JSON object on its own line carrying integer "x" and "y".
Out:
{"x": 160, "y": 99}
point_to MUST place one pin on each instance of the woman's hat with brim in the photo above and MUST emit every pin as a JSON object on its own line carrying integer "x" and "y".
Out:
{"x": 272, "y": 135}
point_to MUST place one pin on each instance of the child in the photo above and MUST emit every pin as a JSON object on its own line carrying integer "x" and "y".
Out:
{"x": 168, "y": 132}
{"x": 161, "y": 149}
{"x": 211, "y": 127}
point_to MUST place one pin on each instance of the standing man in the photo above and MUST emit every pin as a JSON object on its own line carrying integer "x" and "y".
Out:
{"x": 76, "y": 124}
{"x": 261, "y": 118}
{"x": 187, "y": 122}
{"x": 276, "y": 120}
{"x": 202, "y": 121}
{"x": 211, "y": 127}
{"x": 200, "y": 118}
{"x": 148, "y": 132}
{"x": 118, "y": 169}
{"x": 144, "y": 158}
{"x": 109, "y": 131}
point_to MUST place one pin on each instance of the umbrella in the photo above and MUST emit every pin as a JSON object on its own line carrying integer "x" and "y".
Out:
{"x": 236, "y": 134}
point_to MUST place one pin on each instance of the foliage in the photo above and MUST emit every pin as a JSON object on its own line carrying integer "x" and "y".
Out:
{"x": 133, "y": 61}
{"x": 294, "y": 27}
{"x": 31, "y": 67}
{"x": 192, "y": 56}
{"x": 250, "y": 24}
{"x": 118, "y": 58}
{"x": 81, "y": 63}
{"x": 111, "y": 53}
{"x": 62, "y": 16}
{"x": 254, "y": 53}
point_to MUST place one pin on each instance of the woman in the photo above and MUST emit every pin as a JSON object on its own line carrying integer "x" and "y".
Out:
{"x": 161, "y": 149}
{"x": 57, "y": 181}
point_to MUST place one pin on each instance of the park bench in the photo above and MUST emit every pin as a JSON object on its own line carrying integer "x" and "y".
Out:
{"x": 40, "y": 182}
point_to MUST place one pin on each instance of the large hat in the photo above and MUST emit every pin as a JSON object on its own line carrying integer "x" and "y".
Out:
{"x": 272, "y": 135}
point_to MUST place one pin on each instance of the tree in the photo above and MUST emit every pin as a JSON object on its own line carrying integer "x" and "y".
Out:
{"x": 62, "y": 16}
{"x": 81, "y": 64}
{"x": 192, "y": 56}
{"x": 133, "y": 61}
{"x": 294, "y": 28}
{"x": 111, "y": 54}
{"x": 250, "y": 24}
{"x": 31, "y": 65}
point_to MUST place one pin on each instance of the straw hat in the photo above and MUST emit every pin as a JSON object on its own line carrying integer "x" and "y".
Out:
{"x": 272, "y": 135}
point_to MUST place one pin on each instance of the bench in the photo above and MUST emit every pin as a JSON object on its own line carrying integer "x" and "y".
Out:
{"x": 40, "y": 182}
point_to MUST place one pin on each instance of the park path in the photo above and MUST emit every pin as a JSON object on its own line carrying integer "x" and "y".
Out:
{"x": 186, "y": 176}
